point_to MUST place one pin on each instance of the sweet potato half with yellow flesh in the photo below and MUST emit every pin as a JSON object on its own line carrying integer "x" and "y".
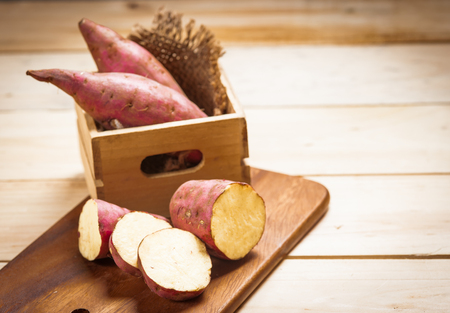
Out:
{"x": 229, "y": 217}
{"x": 96, "y": 223}
{"x": 175, "y": 264}
{"x": 127, "y": 235}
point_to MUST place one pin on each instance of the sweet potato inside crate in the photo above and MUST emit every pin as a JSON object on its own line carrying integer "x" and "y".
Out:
{"x": 112, "y": 158}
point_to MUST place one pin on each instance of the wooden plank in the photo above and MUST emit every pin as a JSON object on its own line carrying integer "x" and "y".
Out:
{"x": 28, "y": 208}
{"x": 53, "y": 262}
{"x": 354, "y": 286}
{"x": 2, "y": 265}
{"x": 18, "y": 91}
{"x": 338, "y": 75}
{"x": 39, "y": 144}
{"x": 343, "y": 141}
{"x": 376, "y": 216}
{"x": 369, "y": 216}
{"x": 325, "y": 141}
{"x": 299, "y": 75}
{"x": 43, "y": 25}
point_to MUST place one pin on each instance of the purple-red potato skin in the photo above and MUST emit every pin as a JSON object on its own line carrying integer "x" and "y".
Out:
{"x": 108, "y": 215}
{"x": 130, "y": 99}
{"x": 171, "y": 294}
{"x": 114, "y": 53}
{"x": 191, "y": 209}
{"x": 194, "y": 157}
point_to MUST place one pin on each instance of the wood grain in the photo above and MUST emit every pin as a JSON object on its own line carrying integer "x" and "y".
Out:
{"x": 45, "y": 26}
{"x": 361, "y": 140}
{"x": 52, "y": 273}
{"x": 354, "y": 286}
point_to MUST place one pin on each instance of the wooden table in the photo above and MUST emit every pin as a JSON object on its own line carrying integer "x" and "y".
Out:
{"x": 352, "y": 94}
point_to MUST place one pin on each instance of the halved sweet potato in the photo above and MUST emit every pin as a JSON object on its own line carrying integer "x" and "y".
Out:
{"x": 96, "y": 223}
{"x": 228, "y": 216}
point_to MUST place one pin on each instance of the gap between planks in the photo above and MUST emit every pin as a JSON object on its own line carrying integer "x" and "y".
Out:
{"x": 376, "y": 174}
{"x": 344, "y": 257}
{"x": 80, "y": 179}
{"x": 280, "y": 107}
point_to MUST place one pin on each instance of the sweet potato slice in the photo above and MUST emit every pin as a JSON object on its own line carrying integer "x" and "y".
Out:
{"x": 127, "y": 235}
{"x": 96, "y": 223}
{"x": 228, "y": 216}
{"x": 175, "y": 264}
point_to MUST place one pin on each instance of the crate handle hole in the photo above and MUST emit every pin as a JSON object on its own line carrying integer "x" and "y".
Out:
{"x": 171, "y": 162}
{"x": 80, "y": 311}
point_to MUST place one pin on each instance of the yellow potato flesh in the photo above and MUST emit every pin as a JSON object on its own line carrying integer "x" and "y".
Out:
{"x": 238, "y": 220}
{"x": 90, "y": 241}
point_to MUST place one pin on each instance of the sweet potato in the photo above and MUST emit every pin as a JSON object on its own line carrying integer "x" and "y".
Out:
{"x": 96, "y": 223}
{"x": 228, "y": 216}
{"x": 128, "y": 233}
{"x": 193, "y": 157}
{"x": 126, "y": 100}
{"x": 175, "y": 264}
{"x": 114, "y": 53}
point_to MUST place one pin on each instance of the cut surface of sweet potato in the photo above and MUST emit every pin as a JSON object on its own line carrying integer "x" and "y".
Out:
{"x": 175, "y": 264}
{"x": 229, "y": 217}
{"x": 89, "y": 241}
{"x": 238, "y": 220}
{"x": 96, "y": 223}
{"x": 127, "y": 235}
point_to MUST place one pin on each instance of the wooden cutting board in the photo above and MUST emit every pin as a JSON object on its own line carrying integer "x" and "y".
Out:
{"x": 51, "y": 276}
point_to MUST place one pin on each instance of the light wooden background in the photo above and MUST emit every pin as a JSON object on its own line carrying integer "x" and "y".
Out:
{"x": 352, "y": 94}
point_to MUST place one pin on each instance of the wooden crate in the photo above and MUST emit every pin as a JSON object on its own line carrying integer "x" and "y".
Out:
{"x": 112, "y": 159}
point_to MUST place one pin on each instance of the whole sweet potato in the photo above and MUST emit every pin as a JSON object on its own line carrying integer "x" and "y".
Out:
{"x": 229, "y": 217}
{"x": 119, "y": 100}
{"x": 96, "y": 224}
{"x": 113, "y": 53}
